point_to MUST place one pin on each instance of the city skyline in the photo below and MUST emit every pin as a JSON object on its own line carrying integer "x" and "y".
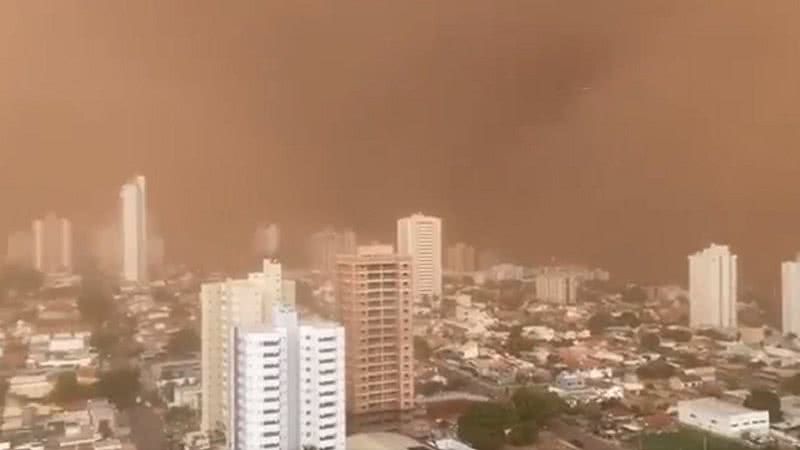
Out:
{"x": 541, "y": 148}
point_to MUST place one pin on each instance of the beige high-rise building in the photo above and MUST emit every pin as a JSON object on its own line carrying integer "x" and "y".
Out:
{"x": 52, "y": 244}
{"x": 374, "y": 293}
{"x": 225, "y": 305}
{"x": 420, "y": 237}
{"x": 324, "y": 246}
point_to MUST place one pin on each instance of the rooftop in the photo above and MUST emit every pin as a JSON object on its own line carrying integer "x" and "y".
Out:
{"x": 716, "y": 406}
{"x": 383, "y": 441}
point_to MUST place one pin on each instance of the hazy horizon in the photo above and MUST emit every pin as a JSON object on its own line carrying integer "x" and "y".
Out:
{"x": 621, "y": 134}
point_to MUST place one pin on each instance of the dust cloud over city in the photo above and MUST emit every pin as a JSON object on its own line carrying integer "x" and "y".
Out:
{"x": 624, "y": 134}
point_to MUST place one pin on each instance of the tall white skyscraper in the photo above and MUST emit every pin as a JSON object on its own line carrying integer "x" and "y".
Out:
{"x": 52, "y": 245}
{"x": 133, "y": 202}
{"x": 289, "y": 385}
{"x": 225, "y": 305}
{"x": 713, "y": 288}
{"x": 420, "y": 237}
{"x": 790, "y": 280}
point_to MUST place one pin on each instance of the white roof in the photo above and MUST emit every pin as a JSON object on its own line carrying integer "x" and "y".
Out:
{"x": 716, "y": 406}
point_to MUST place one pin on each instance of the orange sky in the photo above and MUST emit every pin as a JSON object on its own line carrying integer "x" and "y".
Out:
{"x": 621, "y": 133}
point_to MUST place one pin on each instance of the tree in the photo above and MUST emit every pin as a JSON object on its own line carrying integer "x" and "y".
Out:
{"x": 422, "y": 349}
{"x": 792, "y": 385}
{"x": 103, "y": 341}
{"x": 184, "y": 342}
{"x": 20, "y": 279}
{"x": 95, "y": 301}
{"x": 516, "y": 343}
{"x": 763, "y": 400}
{"x": 634, "y": 294}
{"x": 650, "y": 341}
{"x": 655, "y": 370}
{"x": 599, "y": 322}
{"x": 628, "y": 319}
{"x": 523, "y": 433}
{"x": 68, "y": 390}
{"x": 483, "y": 425}
{"x": 120, "y": 387}
{"x": 537, "y": 405}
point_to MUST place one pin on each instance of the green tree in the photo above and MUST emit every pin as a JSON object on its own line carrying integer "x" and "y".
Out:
{"x": 655, "y": 370}
{"x": 537, "y": 405}
{"x": 95, "y": 301}
{"x": 184, "y": 342}
{"x": 523, "y": 433}
{"x": 517, "y": 343}
{"x": 650, "y": 341}
{"x": 422, "y": 349}
{"x": 68, "y": 390}
{"x": 763, "y": 400}
{"x": 120, "y": 387}
{"x": 634, "y": 294}
{"x": 483, "y": 425}
{"x": 792, "y": 385}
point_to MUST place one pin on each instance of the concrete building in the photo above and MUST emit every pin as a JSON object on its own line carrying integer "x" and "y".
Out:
{"x": 19, "y": 250}
{"x": 713, "y": 288}
{"x": 324, "y": 246}
{"x": 267, "y": 240}
{"x": 225, "y": 305}
{"x": 52, "y": 245}
{"x": 133, "y": 226}
{"x": 420, "y": 237}
{"x": 790, "y": 289}
{"x": 461, "y": 258}
{"x": 374, "y": 290}
{"x": 723, "y": 418}
{"x": 557, "y": 287}
{"x": 289, "y": 390}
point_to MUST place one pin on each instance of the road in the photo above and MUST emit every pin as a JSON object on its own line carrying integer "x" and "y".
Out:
{"x": 590, "y": 441}
{"x": 147, "y": 429}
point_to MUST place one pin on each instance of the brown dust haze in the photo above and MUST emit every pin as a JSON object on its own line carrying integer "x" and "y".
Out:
{"x": 619, "y": 133}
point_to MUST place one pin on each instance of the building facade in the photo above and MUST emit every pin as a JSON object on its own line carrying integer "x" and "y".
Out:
{"x": 713, "y": 288}
{"x": 374, "y": 294}
{"x": 225, "y": 305}
{"x": 289, "y": 390}
{"x": 52, "y": 245}
{"x": 133, "y": 226}
{"x": 722, "y": 418}
{"x": 324, "y": 246}
{"x": 420, "y": 237}
{"x": 461, "y": 258}
{"x": 790, "y": 297}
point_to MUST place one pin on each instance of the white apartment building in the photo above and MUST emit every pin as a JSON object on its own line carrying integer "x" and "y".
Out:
{"x": 790, "y": 289}
{"x": 52, "y": 245}
{"x": 267, "y": 240}
{"x": 420, "y": 237}
{"x": 289, "y": 390}
{"x": 225, "y": 305}
{"x": 723, "y": 418}
{"x": 713, "y": 288}
{"x": 133, "y": 224}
